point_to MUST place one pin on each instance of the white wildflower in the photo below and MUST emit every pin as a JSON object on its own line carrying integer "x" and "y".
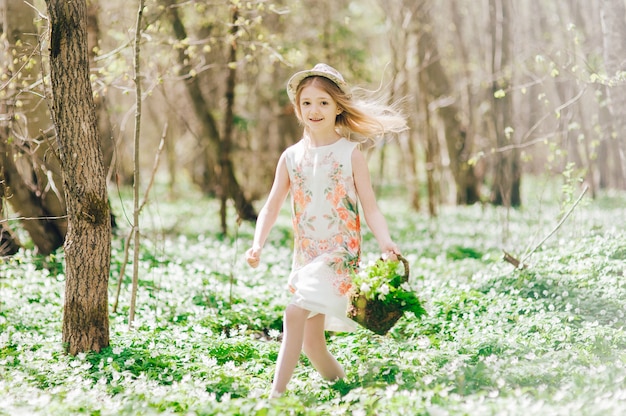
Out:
{"x": 384, "y": 289}
{"x": 365, "y": 288}
{"x": 274, "y": 333}
{"x": 423, "y": 342}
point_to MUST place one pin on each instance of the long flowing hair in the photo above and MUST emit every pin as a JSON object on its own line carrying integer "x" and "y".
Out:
{"x": 365, "y": 118}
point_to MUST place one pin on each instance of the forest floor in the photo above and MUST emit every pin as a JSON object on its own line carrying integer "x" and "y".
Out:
{"x": 548, "y": 339}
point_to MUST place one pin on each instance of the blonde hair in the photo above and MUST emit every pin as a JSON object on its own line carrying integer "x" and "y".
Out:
{"x": 364, "y": 119}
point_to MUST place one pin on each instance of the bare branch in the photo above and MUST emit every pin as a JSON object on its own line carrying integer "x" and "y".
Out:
{"x": 6, "y": 220}
{"x": 556, "y": 228}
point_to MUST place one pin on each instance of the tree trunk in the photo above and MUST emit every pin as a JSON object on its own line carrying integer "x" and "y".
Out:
{"x": 432, "y": 153}
{"x": 88, "y": 240}
{"x": 31, "y": 178}
{"x": 613, "y": 21}
{"x": 225, "y": 144}
{"x": 105, "y": 131}
{"x": 38, "y": 222}
{"x": 9, "y": 244}
{"x": 606, "y": 145}
{"x": 402, "y": 46}
{"x": 507, "y": 176}
{"x": 226, "y": 172}
{"x": 439, "y": 88}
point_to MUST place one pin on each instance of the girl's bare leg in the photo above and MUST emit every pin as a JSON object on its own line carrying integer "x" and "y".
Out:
{"x": 314, "y": 345}
{"x": 289, "y": 354}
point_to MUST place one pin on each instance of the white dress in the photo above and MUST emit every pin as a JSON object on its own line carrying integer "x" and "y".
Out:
{"x": 327, "y": 228}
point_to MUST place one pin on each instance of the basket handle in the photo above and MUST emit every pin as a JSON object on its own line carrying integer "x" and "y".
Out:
{"x": 405, "y": 263}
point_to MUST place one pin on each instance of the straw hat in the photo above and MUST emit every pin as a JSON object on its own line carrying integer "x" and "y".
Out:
{"x": 319, "y": 70}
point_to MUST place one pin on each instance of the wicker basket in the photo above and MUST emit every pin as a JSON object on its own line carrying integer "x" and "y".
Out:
{"x": 373, "y": 314}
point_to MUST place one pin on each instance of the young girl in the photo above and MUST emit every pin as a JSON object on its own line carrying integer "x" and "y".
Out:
{"x": 327, "y": 177}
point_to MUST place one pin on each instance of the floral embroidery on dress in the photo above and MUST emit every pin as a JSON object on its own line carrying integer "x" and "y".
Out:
{"x": 301, "y": 197}
{"x": 330, "y": 227}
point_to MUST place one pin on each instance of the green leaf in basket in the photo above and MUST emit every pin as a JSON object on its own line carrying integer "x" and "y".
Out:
{"x": 385, "y": 281}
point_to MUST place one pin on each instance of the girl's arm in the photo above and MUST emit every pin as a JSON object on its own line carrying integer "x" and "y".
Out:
{"x": 269, "y": 212}
{"x": 373, "y": 216}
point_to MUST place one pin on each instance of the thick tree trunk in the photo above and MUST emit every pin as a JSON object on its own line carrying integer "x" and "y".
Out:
{"x": 225, "y": 172}
{"x": 613, "y": 18}
{"x": 437, "y": 85}
{"x": 402, "y": 46}
{"x": 43, "y": 230}
{"x": 225, "y": 145}
{"x": 507, "y": 176}
{"x": 31, "y": 176}
{"x": 88, "y": 240}
{"x": 102, "y": 114}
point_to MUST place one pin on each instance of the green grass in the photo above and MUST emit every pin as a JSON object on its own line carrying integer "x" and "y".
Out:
{"x": 548, "y": 339}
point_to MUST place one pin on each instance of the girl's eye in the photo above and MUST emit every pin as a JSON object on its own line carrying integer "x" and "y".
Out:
{"x": 324, "y": 102}
{"x": 305, "y": 103}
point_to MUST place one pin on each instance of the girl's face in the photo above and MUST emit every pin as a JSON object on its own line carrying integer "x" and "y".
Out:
{"x": 318, "y": 109}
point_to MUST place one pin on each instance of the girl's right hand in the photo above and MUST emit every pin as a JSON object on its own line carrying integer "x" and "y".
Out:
{"x": 390, "y": 252}
{"x": 253, "y": 257}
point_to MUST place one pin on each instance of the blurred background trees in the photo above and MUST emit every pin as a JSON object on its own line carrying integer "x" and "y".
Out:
{"x": 495, "y": 90}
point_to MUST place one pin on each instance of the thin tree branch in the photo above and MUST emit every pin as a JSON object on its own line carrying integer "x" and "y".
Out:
{"x": 122, "y": 269}
{"x": 509, "y": 258}
{"x": 135, "y": 229}
{"x": 131, "y": 233}
{"x": 538, "y": 123}
{"x": 155, "y": 166}
{"x": 520, "y": 264}
{"x": 6, "y": 220}
{"x": 556, "y": 228}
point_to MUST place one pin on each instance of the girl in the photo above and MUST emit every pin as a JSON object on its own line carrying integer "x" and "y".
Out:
{"x": 327, "y": 176}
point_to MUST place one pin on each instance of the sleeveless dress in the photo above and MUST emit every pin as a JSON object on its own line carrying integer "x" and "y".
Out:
{"x": 327, "y": 229}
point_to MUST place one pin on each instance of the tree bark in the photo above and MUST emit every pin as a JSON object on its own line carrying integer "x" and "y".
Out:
{"x": 437, "y": 85}
{"x": 9, "y": 244}
{"x": 225, "y": 172}
{"x": 31, "y": 178}
{"x": 402, "y": 46}
{"x": 225, "y": 145}
{"x": 88, "y": 241}
{"x": 105, "y": 129}
{"x": 612, "y": 14}
{"x": 507, "y": 176}
{"x": 38, "y": 222}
